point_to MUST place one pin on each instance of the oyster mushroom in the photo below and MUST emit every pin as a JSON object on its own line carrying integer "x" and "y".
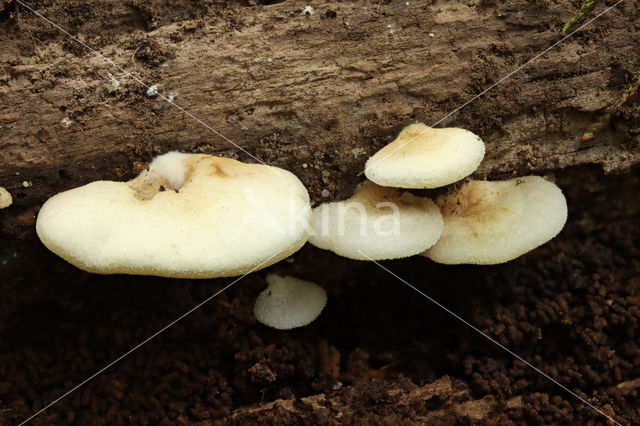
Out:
{"x": 289, "y": 302}
{"x": 5, "y": 198}
{"x": 424, "y": 157}
{"x": 377, "y": 223}
{"x": 493, "y": 222}
{"x": 188, "y": 216}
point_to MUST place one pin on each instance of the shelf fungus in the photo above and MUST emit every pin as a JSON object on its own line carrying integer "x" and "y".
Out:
{"x": 289, "y": 302}
{"x": 423, "y": 157}
{"x": 493, "y": 222}
{"x": 377, "y": 223}
{"x": 187, "y": 216}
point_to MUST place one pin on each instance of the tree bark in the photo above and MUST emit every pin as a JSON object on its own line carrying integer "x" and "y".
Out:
{"x": 314, "y": 93}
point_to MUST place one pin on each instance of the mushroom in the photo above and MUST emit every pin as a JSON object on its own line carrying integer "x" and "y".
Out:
{"x": 289, "y": 302}
{"x": 377, "y": 223}
{"x": 424, "y": 157}
{"x": 487, "y": 223}
{"x": 5, "y": 198}
{"x": 188, "y": 216}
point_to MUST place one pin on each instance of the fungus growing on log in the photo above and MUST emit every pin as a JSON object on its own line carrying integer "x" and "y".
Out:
{"x": 494, "y": 222}
{"x": 377, "y": 223}
{"x": 188, "y": 216}
{"x": 289, "y": 302}
{"x": 424, "y": 157}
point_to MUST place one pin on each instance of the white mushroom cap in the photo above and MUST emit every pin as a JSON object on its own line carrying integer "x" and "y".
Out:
{"x": 219, "y": 218}
{"x": 289, "y": 302}
{"x": 424, "y": 157}
{"x": 5, "y": 198}
{"x": 377, "y": 223}
{"x": 493, "y": 222}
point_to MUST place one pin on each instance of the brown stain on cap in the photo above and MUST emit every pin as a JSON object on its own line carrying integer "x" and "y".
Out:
{"x": 219, "y": 171}
{"x": 475, "y": 203}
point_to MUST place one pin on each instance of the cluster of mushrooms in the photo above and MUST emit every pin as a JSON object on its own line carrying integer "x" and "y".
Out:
{"x": 200, "y": 216}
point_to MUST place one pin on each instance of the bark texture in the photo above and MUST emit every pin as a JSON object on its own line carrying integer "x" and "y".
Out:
{"x": 314, "y": 93}
{"x": 439, "y": 402}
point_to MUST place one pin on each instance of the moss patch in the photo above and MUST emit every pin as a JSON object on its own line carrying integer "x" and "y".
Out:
{"x": 584, "y": 9}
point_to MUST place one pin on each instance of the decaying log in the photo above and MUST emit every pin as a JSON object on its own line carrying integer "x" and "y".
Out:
{"x": 314, "y": 93}
{"x": 439, "y": 402}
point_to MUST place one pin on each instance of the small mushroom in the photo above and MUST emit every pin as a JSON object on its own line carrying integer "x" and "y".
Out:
{"x": 188, "y": 216}
{"x": 424, "y": 157}
{"x": 289, "y": 302}
{"x": 488, "y": 223}
{"x": 377, "y": 223}
{"x": 5, "y": 198}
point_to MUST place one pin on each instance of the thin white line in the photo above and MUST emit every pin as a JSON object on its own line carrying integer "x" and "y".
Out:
{"x": 493, "y": 85}
{"x": 143, "y": 342}
{"x": 128, "y": 74}
{"x": 492, "y": 340}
